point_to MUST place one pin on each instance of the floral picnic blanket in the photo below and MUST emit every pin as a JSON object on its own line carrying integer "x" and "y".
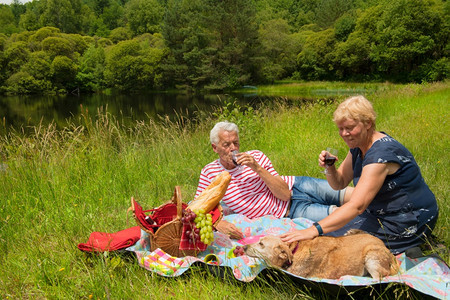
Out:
{"x": 427, "y": 275}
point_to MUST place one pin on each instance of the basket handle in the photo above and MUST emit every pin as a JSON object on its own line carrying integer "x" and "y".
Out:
{"x": 176, "y": 199}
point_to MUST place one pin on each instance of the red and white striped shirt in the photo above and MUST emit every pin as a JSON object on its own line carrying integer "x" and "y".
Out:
{"x": 247, "y": 193}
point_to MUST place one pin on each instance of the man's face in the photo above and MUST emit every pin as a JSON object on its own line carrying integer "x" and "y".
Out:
{"x": 228, "y": 142}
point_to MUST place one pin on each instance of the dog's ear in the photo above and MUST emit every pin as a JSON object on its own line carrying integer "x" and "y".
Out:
{"x": 285, "y": 254}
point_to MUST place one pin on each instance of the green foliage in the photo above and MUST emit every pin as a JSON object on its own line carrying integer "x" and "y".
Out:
{"x": 7, "y": 20}
{"x": 23, "y": 83}
{"x": 314, "y": 61}
{"x": 144, "y": 16}
{"x": 16, "y": 54}
{"x": 119, "y": 34}
{"x": 55, "y": 46}
{"x": 113, "y": 15}
{"x": 90, "y": 76}
{"x": 62, "y": 14}
{"x": 132, "y": 65}
{"x": 63, "y": 71}
{"x": 280, "y": 49}
{"x": 220, "y": 45}
{"x": 344, "y": 26}
{"x": 328, "y": 11}
{"x": 41, "y": 34}
{"x": 213, "y": 45}
{"x": 245, "y": 117}
{"x": 38, "y": 65}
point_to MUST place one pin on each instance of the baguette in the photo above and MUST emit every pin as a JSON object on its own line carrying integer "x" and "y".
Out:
{"x": 214, "y": 192}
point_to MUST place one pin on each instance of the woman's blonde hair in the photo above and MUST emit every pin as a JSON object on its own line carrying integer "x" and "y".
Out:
{"x": 356, "y": 108}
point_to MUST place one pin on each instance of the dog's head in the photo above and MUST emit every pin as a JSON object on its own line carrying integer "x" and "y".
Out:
{"x": 272, "y": 249}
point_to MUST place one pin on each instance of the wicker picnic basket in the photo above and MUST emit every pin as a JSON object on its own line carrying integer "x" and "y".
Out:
{"x": 167, "y": 231}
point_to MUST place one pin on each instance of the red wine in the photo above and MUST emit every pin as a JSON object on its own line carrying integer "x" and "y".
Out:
{"x": 329, "y": 161}
{"x": 234, "y": 157}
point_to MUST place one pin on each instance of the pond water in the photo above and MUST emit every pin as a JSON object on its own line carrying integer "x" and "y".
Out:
{"x": 23, "y": 112}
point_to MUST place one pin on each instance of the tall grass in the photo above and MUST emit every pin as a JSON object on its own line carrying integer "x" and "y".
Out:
{"x": 58, "y": 186}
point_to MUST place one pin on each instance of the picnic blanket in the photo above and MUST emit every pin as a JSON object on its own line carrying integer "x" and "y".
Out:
{"x": 427, "y": 275}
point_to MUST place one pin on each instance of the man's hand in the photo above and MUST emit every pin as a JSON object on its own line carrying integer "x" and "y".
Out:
{"x": 230, "y": 230}
{"x": 276, "y": 184}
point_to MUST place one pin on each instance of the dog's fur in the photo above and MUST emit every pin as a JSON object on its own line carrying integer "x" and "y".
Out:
{"x": 356, "y": 253}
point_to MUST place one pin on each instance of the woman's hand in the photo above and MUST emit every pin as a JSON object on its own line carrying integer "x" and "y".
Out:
{"x": 299, "y": 235}
{"x": 322, "y": 157}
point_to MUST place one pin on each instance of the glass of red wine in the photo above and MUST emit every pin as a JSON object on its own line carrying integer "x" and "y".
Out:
{"x": 233, "y": 153}
{"x": 330, "y": 158}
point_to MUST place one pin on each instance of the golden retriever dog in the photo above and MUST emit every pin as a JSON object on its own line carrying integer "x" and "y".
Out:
{"x": 356, "y": 253}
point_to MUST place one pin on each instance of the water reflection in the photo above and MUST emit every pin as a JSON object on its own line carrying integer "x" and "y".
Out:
{"x": 23, "y": 112}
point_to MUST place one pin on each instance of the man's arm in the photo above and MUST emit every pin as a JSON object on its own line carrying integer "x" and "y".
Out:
{"x": 276, "y": 184}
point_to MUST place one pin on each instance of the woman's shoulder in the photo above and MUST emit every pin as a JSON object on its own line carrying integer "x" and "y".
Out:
{"x": 387, "y": 142}
{"x": 388, "y": 149}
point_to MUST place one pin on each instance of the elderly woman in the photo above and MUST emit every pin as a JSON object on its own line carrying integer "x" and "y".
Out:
{"x": 391, "y": 199}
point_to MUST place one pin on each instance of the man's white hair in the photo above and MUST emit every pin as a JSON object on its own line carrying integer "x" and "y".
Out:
{"x": 222, "y": 126}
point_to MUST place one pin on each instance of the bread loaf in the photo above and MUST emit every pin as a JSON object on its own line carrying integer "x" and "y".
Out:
{"x": 211, "y": 196}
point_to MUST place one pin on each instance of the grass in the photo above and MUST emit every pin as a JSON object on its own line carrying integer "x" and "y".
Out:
{"x": 58, "y": 186}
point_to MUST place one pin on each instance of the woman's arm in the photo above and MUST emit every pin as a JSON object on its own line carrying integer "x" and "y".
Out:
{"x": 340, "y": 178}
{"x": 371, "y": 180}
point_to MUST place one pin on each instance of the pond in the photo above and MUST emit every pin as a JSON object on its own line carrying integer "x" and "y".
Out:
{"x": 22, "y": 113}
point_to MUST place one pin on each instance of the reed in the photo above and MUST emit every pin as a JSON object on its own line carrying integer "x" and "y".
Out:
{"x": 58, "y": 186}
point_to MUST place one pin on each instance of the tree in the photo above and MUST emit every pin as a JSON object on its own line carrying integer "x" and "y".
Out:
{"x": 90, "y": 76}
{"x": 17, "y": 9}
{"x": 408, "y": 35}
{"x": 399, "y": 40}
{"x": 144, "y": 16}
{"x": 113, "y": 16}
{"x": 120, "y": 34}
{"x": 63, "y": 14}
{"x": 57, "y": 46}
{"x": 30, "y": 19}
{"x": 16, "y": 54}
{"x": 213, "y": 43}
{"x": 280, "y": 48}
{"x": 328, "y": 11}
{"x": 315, "y": 59}
{"x": 38, "y": 65}
{"x": 7, "y": 20}
{"x": 132, "y": 65}
{"x": 63, "y": 71}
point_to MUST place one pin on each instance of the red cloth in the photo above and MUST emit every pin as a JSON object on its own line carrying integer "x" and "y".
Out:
{"x": 184, "y": 240}
{"x": 102, "y": 241}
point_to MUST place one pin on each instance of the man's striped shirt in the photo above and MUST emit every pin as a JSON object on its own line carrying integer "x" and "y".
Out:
{"x": 247, "y": 193}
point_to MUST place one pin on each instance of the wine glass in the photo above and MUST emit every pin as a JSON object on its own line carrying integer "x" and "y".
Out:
{"x": 330, "y": 158}
{"x": 234, "y": 158}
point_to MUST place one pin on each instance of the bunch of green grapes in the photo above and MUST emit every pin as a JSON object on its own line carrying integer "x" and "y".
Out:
{"x": 203, "y": 221}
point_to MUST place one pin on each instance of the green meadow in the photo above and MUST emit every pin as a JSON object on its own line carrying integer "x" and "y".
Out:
{"x": 58, "y": 186}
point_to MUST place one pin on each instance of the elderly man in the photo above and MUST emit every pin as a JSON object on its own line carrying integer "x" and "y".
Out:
{"x": 256, "y": 189}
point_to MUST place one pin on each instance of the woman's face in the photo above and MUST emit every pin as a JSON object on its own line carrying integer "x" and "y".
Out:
{"x": 354, "y": 133}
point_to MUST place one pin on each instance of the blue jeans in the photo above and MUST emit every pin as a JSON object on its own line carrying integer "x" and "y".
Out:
{"x": 312, "y": 198}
